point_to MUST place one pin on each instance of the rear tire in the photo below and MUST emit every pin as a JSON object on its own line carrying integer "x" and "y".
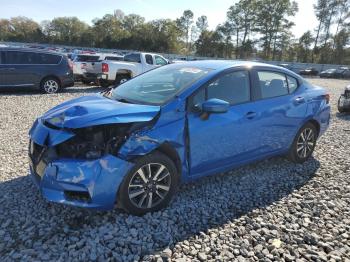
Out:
{"x": 121, "y": 78}
{"x": 86, "y": 82}
{"x": 50, "y": 85}
{"x": 304, "y": 144}
{"x": 103, "y": 83}
{"x": 149, "y": 185}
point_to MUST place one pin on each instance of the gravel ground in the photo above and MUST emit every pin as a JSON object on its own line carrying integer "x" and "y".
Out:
{"x": 270, "y": 210}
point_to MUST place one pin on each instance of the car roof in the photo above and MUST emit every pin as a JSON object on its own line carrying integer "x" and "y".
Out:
{"x": 29, "y": 50}
{"x": 225, "y": 64}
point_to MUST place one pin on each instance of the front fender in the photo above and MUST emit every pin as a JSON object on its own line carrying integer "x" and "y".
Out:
{"x": 146, "y": 141}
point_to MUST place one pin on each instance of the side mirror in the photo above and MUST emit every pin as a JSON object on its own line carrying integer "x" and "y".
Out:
{"x": 215, "y": 105}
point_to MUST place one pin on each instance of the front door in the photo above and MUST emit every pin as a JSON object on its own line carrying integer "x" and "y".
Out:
{"x": 220, "y": 140}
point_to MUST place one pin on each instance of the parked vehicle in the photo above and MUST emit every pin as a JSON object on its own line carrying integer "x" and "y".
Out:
{"x": 344, "y": 101}
{"x": 95, "y": 69}
{"x": 115, "y": 73}
{"x": 80, "y": 62}
{"x": 309, "y": 72}
{"x": 133, "y": 145}
{"x": 346, "y": 74}
{"x": 84, "y": 65}
{"x": 47, "y": 71}
{"x": 332, "y": 73}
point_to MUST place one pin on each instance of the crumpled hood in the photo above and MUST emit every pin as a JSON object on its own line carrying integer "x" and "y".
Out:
{"x": 97, "y": 110}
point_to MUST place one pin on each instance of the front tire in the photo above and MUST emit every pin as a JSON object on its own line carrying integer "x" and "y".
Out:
{"x": 149, "y": 185}
{"x": 304, "y": 144}
{"x": 340, "y": 104}
{"x": 50, "y": 85}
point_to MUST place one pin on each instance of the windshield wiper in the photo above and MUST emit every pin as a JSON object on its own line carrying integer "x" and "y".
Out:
{"x": 107, "y": 93}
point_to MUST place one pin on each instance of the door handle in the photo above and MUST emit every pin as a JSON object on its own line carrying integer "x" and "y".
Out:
{"x": 299, "y": 100}
{"x": 250, "y": 115}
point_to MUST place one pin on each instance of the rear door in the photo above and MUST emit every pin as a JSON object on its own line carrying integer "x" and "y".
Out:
{"x": 149, "y": 63}
{"x": 280, "y": 106}
{"x": 18, "y": 69}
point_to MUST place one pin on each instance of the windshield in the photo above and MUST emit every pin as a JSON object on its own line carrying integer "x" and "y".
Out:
{"x": 158, "y": 86}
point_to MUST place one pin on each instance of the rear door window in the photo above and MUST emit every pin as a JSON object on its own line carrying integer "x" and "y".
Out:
{"x": 271, "y": 84}
{"x": 149, "y": 59}
{"x": 136, "y": 58}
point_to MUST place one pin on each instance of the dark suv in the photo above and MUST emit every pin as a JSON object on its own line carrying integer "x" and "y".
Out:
{"x": 42, "y": 70}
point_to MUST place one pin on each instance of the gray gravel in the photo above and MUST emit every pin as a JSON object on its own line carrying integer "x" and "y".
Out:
{"x": 271, "y": 210}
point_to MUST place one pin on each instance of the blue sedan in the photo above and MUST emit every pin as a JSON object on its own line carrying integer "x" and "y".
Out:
{"x": 131, "y": 146}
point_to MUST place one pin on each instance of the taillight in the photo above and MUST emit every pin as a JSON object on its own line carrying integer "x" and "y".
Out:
{"x": 327, "y": 97}
{"x": 105, "y": 68}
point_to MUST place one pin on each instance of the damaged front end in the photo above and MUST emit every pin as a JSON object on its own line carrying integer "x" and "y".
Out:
{"x": 81, "y": 166}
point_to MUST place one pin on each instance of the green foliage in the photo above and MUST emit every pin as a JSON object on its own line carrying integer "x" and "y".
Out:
{"x": 253, "y": 28}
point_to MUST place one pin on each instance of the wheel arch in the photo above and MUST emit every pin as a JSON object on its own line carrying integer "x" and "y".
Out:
{"x": 316, "y": 124}
{"x": 124, "y": 72}
{"x": 170, "y": 152}
{"x": 50, "y": 76}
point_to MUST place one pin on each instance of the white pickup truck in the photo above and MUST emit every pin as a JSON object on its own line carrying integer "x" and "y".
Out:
{"x": 117, "y": 72}
{"x": 84, "y": 63}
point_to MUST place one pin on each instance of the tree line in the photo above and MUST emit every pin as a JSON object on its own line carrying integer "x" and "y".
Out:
{"x": 253, "y": 29}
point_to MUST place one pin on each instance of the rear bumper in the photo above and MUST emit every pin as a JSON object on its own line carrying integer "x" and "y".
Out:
{"x": 324, "y": 119}
{"x": 90, "y": 184}
{"x": 103, "y": 77}
{"x": 89, "y": 76}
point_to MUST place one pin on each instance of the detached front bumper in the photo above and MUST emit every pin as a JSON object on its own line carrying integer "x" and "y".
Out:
{"x": 89, "y": 184}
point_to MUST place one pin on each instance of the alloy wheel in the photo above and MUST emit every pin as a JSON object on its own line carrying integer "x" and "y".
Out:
{"x": 123, "y": 80}
{"x": 305, "y": 143}
{"x": 149, "y": 185}
{"x": 51, "y": 86}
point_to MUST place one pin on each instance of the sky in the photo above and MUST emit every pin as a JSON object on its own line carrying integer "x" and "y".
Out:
{"x": 87, "y": 10}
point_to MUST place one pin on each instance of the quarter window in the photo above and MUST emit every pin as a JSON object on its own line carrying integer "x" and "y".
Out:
{"x": 18, "y": 58}
{"x": 29, "y": 58}
{"x": 271, "y": 84}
